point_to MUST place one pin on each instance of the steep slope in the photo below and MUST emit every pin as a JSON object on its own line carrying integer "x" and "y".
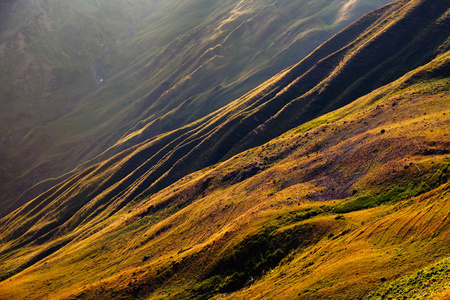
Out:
{"x": 78, "y": 75}
{"x": 336, "y": 208}
{"x": 361, "y": 192}
{"x": 322, "y": 81}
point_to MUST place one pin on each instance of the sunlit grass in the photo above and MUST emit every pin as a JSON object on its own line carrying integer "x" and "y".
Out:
{"x": 339, "y": 207}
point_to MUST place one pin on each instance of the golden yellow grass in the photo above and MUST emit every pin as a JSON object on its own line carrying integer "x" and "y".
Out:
{"x": 314, "y": 165}
{"x": 444, "y": 295}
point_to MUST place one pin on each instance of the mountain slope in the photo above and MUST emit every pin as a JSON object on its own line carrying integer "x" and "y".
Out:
{"x": 361, "y": 192}
{"x": 279, "y": 207}
{"x": 80, "y": 75}
{"x": 158, "y": 162}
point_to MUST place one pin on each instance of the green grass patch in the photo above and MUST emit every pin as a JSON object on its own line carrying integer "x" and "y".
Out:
{"x": 413, "y": 188}
{"x": 420, "y": 285}
{"x": 314, "y": 124}
{"x": 359, "y": 203}
{"x": 305, "y": 214}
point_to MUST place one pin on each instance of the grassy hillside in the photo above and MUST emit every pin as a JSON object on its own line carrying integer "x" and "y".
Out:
{"x": 348, "y": 205}
{"x": 292, "y": 97}
{"x": 80, "y": 75}
{"x": 51, "y": 53}
{"x": 352, "y": 204}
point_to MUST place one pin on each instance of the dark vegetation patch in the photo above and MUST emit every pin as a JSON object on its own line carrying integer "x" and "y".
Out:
{"x": 256, "y": 255}
{"x": 306, "y": 214}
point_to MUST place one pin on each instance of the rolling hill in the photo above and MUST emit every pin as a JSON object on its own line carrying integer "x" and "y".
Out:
{"x": 81, "y": 75}
{"x": 329, "y": 180}
{"x": 270, "y": 220}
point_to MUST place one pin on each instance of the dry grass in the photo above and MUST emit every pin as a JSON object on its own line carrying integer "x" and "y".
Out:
{"x": 444, "y": 295}
{"x": 164, "y": 245}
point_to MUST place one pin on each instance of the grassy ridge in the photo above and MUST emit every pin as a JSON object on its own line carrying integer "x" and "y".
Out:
{"x": 155, "y": 164}
{"x": 270, "y": 208}
{"x": 81, "y": 75}
{"x": 338, "y": 207}
{"x": 158, "y": 162}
